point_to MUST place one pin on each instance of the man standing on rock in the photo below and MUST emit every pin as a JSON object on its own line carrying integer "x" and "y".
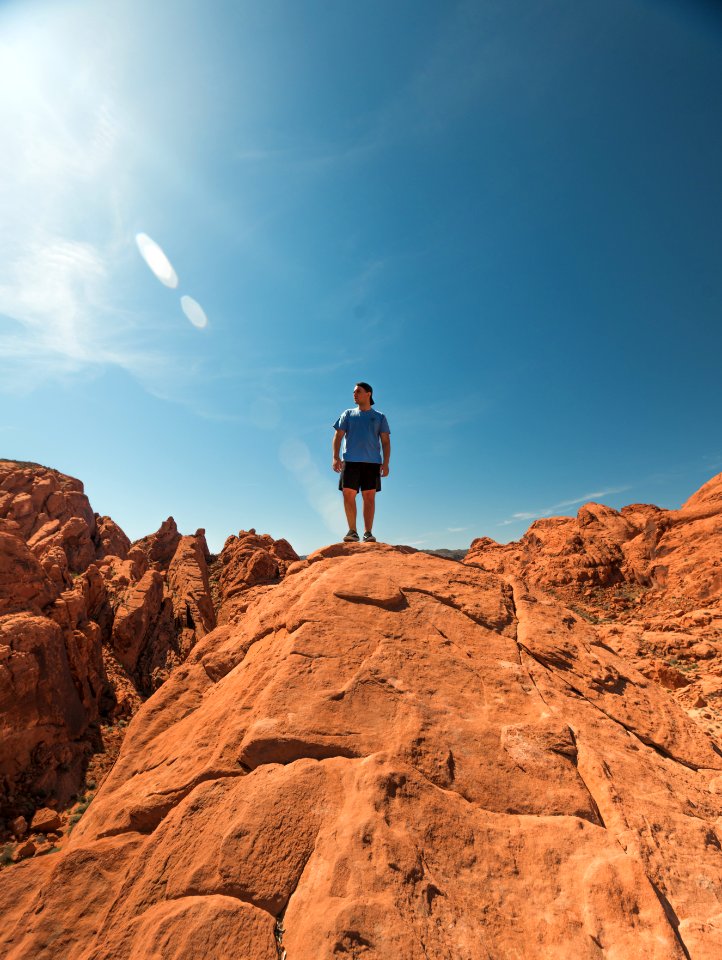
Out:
{"x": 365, "y": 433}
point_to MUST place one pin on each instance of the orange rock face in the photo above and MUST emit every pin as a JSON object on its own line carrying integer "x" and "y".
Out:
{"x": 250, "y": 560}
{"x": 650, "y": 579}
{"x": 392, "y": 755}
{"x": 90, "y": 625}
{"x": 57, "y": 624}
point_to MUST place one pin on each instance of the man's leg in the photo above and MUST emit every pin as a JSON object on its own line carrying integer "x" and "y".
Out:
{"x": 369, "y": 508}
{"x": 349, "y": 505}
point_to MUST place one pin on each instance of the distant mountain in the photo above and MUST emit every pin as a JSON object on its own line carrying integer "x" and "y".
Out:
{"x": 448, "y": 554}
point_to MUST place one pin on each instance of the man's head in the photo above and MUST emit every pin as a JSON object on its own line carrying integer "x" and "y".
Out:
{"x": 363, "y": 394}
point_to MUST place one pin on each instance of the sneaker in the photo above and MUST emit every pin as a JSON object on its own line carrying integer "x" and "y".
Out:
{"x": 369, "y": 537}
{"x": 351, "y": 537}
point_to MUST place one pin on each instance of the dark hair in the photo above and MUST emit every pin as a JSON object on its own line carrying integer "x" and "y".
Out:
{"x": 368, "y": 388}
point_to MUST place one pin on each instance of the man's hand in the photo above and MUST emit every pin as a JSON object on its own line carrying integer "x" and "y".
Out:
{"x": 386, "y": 447}
{"x": 336, "y": 461}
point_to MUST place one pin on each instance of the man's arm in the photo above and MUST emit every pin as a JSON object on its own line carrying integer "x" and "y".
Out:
{"x": 386, "y": 447}
{"x": 336, "y": 448}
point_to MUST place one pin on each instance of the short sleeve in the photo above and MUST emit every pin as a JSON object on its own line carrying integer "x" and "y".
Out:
{"x": 384, "y": 428}
{"x": 342, "y": 422}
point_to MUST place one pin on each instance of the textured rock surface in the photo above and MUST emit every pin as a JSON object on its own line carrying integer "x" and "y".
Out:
{"x": 392, "y": 755}
{"x": 246, "y": 561}
{"x": 160, "y": 547}
{"x": 89, "y": 624}
{"x": 112, "y": 541}
{"x": 650, "y": 578}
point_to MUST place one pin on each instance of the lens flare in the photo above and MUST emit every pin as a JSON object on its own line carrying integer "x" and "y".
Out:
{"x": 194, "y": 311}
{"x": 157, "y": 261}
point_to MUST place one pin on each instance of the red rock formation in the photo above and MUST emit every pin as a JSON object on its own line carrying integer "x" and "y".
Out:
{"x": 651, "y": 578}
{"x": 134, "y": 616}
{"x": 42, "y": 717}
{"x": 111, "y": 539}
{"x": 23, "y": 583}
{"x": 68, "y": 576}
{"x": 189, "y": 586}
{"x": 250, "y": 560}
{"x": 392, "y": 755}
{"x": 160, "y": 547}
{"x": 33, "y": 496}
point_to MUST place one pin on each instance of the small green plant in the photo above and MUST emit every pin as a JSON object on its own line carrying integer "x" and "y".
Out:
{"x": 682, "y": 665}
{"x": 6, "y": 854}
{"x": 584, "y": 615}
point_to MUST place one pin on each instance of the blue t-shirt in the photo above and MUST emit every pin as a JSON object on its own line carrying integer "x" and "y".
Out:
{"x": 362, "y": 427}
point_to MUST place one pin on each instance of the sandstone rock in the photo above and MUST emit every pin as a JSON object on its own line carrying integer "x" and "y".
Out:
{"x": 112, "y": 541}
{"x": 73, "y": 538}
{"x": 45, "y": 820}
{"x": 249, "y": 560}
{"x": 703, "y": 651}
{"x": 24, "y": 850}
{"x": 655, "y": 573}
{"x": 190, "y": 589}
{"x": 19, "y": 827}
{"x": 39, "y": 495}
{"x": 42, "y": 719}
{"x": 23, "y": 583}
{"x": 160, "y": 547}
{"x": 124, "y": 696}
{"x": 391, "y": 756}
{"x": 122, "y": 626}
{"x": 134, "y": 618}
{"x": 670, "y": 677}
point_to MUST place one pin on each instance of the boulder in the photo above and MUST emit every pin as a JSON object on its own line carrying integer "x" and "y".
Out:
{"x": 45, "y": 820}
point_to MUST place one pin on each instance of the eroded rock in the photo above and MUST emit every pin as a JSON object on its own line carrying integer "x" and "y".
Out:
{"x": 343, "y": 772}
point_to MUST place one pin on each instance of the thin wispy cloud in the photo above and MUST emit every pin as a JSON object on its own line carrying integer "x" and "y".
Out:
{"x": 66, "y": 253}
{"x": 295, "y": 456}
{"x": 556, "y": 508}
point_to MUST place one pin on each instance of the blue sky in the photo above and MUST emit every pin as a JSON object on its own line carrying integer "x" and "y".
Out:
{"x": 503, "y": 215}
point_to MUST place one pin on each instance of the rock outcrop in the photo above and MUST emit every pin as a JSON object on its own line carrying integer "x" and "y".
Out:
{"x": 392, "y": 755}
{"x": 651, "y": 579}
{"x": 246, "y": 561}
{"x": 90, "y": 625}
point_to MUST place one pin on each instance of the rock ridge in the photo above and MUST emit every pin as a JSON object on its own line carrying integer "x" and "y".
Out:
{"x": 90, "y": 625}
{"x": 389, "y": 755}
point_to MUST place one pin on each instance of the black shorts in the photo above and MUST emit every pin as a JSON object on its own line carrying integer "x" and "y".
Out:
{"x": 367, "y": 476}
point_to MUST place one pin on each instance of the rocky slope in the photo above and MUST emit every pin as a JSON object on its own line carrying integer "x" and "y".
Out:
{"x": 392, "y": 755}
{"x": 650, "y": 579}
{"x": 90, "y": 625}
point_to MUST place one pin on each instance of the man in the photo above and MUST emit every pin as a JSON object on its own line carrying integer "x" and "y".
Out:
{"x": 365, "y": 433}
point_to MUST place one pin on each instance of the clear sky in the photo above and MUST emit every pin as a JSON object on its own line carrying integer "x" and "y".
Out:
{"x": 503, "y": 214}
